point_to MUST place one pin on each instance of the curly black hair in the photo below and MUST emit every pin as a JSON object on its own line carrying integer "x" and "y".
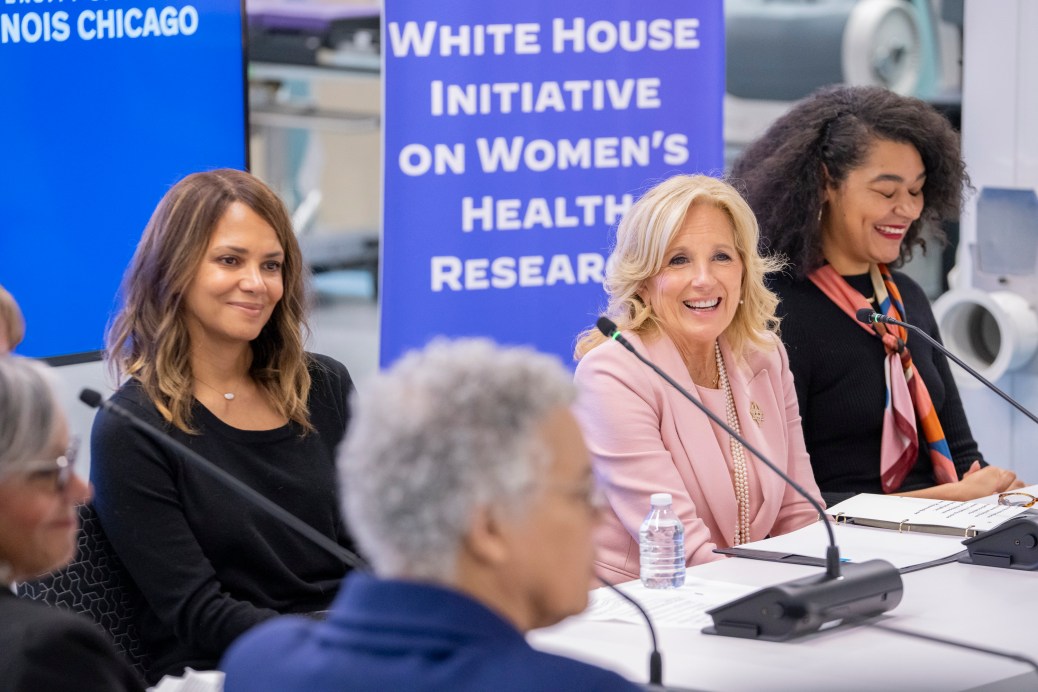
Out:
{"x": 783, "y": 173}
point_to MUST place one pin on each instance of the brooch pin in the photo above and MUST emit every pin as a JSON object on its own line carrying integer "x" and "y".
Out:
{"x": 756, "y": 414}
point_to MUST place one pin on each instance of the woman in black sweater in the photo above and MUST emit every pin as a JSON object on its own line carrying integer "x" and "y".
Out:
{"x": 211, "y": 340}
{"x": 844, "y": 185}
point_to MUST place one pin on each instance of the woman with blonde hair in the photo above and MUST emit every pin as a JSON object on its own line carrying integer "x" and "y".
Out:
{"x": 210, "y": 341}
{"x": 12, "y": 324}
{"x": 686, "y": 287}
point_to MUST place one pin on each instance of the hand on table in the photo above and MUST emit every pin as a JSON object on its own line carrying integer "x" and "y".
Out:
{"x": 979, "y": 482}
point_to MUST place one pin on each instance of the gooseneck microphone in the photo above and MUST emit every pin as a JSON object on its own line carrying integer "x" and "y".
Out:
{"x": 655, "y": 658}
{"x": 801, "y": 606}
{"x": 1013, "y": 544}
{"x": 832, "y": 555}
{"x": 94, "y": 400}
{"x": 869, "y": 317}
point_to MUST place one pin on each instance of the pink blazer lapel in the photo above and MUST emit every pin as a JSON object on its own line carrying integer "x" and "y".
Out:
{"x": 761, "y": 411}
{"x": 696, "y": 453}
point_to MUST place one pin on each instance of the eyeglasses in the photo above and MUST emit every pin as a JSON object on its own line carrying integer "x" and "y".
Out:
{"x": 1017, "y": 499}
{"x": 56, "y": 473}
{"x": 587, "y": 493}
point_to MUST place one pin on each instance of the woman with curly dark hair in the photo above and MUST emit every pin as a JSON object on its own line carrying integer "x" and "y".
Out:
{"x": 210, "y": 345}
{"x": 846, "y": 185}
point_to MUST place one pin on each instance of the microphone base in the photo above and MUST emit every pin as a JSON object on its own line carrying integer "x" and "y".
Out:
{"x": 1013, "y": 545}
{"x": 795, "y": 608}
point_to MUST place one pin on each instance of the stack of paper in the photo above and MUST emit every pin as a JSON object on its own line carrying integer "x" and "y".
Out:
{"x": 910, "y": 514}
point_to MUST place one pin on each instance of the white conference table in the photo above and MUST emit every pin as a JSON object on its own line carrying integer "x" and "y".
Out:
{"x": 986, "y": 606}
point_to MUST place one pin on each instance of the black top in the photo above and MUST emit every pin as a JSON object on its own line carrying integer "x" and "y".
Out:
{"x": 209, "y": 564}
{"x": 45, "y": 649}
{"x": 838, "y": 373}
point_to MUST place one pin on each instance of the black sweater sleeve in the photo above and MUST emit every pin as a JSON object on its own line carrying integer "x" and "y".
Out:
{"x": 209, "y": 564}
{"x": 139, "y": 499}
{"x": 838, "y": 373}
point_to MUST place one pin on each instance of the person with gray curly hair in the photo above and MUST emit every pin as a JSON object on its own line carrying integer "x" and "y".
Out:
{"x": 43, "y": 648}
{"x": 428, "y": 432}
{"x": 469, "y": 488}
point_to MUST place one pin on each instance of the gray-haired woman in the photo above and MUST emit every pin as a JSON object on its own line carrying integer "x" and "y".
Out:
{"x": 43, "y": 648}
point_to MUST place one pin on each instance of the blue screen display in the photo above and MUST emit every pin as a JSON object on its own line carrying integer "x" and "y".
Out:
{"x": 104, "y": 104}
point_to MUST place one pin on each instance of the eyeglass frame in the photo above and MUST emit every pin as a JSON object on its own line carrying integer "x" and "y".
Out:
{"x": 63, "y": 466}
{"x": 1032, "y": 503}
{"x": 589, "y": 494}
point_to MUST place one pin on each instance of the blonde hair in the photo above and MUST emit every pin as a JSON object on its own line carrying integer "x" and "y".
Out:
{"x": 642, "y": 239}
{"x": 149, "y": 341}
{"x": 11, "y": 321}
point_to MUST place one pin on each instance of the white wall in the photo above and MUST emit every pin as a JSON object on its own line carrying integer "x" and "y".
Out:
{"x": 1000, "y": 144}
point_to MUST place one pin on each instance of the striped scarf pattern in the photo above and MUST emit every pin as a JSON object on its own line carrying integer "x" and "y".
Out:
{"x": 908, "y": 401}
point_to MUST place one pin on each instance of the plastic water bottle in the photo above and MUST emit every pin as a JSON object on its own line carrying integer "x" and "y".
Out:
{"x": 661, "y": 541}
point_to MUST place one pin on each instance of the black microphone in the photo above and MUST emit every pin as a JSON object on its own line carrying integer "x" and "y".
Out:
{"x": 869, "y": 317}
{"x": 655, "y": 658}
{"x": 1013, "y": 544}
{"x": 655, "y": 683}
{"x": 95, "y": 400}
{"x": 801, "y": 606}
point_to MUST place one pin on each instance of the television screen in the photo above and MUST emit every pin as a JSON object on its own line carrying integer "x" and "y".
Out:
{"x": 104, "y": 104}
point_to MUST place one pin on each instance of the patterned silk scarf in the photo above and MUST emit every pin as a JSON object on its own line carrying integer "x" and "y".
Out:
{"x": 906, "y": 391}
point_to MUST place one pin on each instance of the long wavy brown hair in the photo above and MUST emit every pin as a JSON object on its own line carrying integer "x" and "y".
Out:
{"x": 148, "y": 339}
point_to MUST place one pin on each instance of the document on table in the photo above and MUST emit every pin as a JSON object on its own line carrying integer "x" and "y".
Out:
{"x": 860, "y": 543}
{"x": 911, "y": 514}
{"x": 683, "y": 607}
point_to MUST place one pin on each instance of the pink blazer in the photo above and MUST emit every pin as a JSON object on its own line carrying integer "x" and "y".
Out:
{"x": 645, "y": 437}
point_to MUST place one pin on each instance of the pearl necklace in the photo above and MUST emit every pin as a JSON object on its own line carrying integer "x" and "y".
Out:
{"x": 741, "y": 481}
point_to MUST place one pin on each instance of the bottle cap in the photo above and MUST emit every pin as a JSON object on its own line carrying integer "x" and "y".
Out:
{"x": 660, "y": 499}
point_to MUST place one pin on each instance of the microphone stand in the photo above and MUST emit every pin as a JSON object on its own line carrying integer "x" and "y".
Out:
{"x": 655, "y": 658}
{"x": 832, "y": 553}
{"x": 1013, "y": 544}
{"x": 794, "y": 608}
{"x": 869, "y": 317}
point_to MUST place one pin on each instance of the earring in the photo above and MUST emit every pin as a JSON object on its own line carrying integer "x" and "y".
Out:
{"x": 741, "y": 301}
{"x": 819, "y": 214}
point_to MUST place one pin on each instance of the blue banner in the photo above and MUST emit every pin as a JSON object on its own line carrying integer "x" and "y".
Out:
{"x": 106, "y": 104}
{"x": 516, "y": 135}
